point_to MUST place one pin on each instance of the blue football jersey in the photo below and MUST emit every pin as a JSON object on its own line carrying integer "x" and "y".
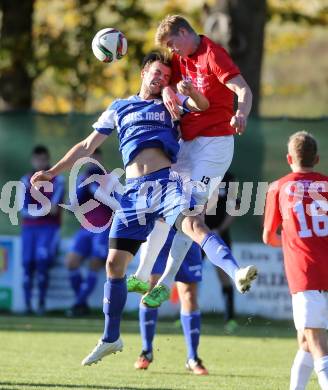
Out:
{"x": 56, "y": 197}
{"x": 141, "y": 124}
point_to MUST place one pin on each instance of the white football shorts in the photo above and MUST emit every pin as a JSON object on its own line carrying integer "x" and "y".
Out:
{"x": 310, "y": 309}
{"x": 205, "y": 160}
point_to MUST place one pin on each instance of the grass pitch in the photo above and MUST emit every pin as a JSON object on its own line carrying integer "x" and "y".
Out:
{"x": 45, "y": 353}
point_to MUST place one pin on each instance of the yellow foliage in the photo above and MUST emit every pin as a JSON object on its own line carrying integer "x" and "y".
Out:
{"x": 267, "y": 89}
{"x": 107, "y": 101}
{"x": 45, "y": 104}
{"x": 62, "y": 104}
{"x": 280, "y": 39}
{"x": 57, "y": 15}
{"x": 97, "y": 92}
{"x": 118, "y": 87}
{"x": 307, "y": 7}
{"x": 52, "y": 104}
{"x": 71, "y": 19}
{"x": 149, "y": 43}
{"x": 282, "y": 90}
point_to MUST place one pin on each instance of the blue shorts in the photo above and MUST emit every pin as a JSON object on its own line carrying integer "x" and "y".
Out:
{"x": 89, "y": 244}
{"x": 191, "y": 267}
{"x": 146, "y": 199}
{"x": 39, "y": 243}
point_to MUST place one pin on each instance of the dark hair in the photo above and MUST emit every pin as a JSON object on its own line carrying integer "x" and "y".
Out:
{"x": 40, "y": 149}
{"x": 156, "y": 56}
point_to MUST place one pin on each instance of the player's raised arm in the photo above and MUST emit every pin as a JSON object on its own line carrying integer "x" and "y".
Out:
{"x": 239, "y": 86}
{"x": 83, "y": 149}
{"x": 196, "y": 101}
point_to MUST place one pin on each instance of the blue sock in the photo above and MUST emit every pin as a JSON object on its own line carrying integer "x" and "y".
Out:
{"x": 219, "y": 254}
{"x": 87, "y": 287}
{"x": 147, "y": 323}
{"x": 115, "y": 294}
{"x": 42, "y": 278}
{"x": 75, "y": 277}
{"x": 191, "y": 329}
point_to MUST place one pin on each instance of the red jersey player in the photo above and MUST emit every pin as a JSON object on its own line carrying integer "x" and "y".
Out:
{"x": 298, "y": 204}
{"x": 207, "y": 144}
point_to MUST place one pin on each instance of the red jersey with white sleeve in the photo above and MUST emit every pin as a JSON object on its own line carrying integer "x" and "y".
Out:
{"x": 299, "y": 203}
{"x": 209, "y": 68}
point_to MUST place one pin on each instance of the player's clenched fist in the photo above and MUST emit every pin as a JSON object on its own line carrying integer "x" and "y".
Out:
{"x": 239, "y": 122}
{"x": 41, "y": 176}
{"x": 186, "y": 88}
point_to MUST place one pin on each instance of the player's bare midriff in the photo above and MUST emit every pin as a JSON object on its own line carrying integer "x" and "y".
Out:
{"x": 147, "y": 161}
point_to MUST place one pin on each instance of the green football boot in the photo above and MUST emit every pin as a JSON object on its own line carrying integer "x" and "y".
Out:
{"x": 136, "y": 285}
{"x": 156, "y": 296}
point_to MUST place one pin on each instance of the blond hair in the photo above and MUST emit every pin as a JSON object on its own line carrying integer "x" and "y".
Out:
{"x": 303, "y": 147}
{"x": 171, "y": 25}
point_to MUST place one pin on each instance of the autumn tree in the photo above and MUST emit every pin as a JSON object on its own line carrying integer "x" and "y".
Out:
{"x": 16, "y": 51}
{"x": 57, "y": 47}
{"x": 239, "y": 26}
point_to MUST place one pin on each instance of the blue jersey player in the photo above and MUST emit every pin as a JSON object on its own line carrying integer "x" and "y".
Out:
{"x": 187, "y": 279}
{"x": 88, "y": 244}
{"x": 149, "y": 145}
{"x": 40, "y": 234}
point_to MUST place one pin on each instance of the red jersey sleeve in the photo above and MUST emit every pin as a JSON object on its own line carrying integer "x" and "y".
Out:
{"x": 272, "y": 215}
{"x": 221, "y": 64}
{"x": 176, "y": 72}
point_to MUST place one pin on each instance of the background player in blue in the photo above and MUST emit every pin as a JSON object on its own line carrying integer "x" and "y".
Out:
{"x": 149, "y": 146}
{"x": 40, "y": 234}
{"x": 189, "y": 274}
{"x": 88, "y": 244}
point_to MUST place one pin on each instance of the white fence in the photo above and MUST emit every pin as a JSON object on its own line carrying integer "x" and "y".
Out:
{"x": 268, "y": 298}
